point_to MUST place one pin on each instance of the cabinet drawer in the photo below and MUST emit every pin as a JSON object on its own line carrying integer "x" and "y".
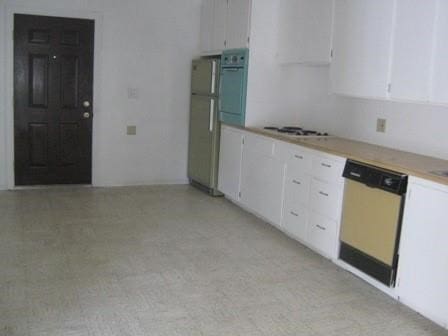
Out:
{"x": 258, "y": 144}
{"x": 297, "y": 188}
{"x": 295, "y": 221}
{"x": 321, "y": 234}
{"x": 327, "y": 169}
{"x": 297, "y": 158}
{"x": 326, "y": 199}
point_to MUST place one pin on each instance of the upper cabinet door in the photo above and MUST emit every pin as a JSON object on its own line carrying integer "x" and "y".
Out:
{"x": 413, "y": 49}
{"x": 219, "y": 24}
{"x": 362, "y": 46}
{"x": 440, "y": 76}
{"x": 238, "y": 23}
{"x": 206, "y": 36}
{"x": 305, "y": 29}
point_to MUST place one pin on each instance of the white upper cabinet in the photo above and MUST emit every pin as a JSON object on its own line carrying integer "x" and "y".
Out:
{"x": 219, "y": 24}
{"x": 238, "y": 23}
{"x": 362, "y": 45}
{"x": 440, "y": 76}
{"x": 413, "y": 49}
{"x": 305, "y": 29}
{"x": 224, "y": 25}
{"x": 206, "y": 37}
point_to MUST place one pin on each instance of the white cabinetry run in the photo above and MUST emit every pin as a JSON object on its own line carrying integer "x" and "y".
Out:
{"x": 297, "y": 189}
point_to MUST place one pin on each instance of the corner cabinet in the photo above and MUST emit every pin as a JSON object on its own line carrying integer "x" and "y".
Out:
{"x": 423, "y": 265}
{"x": 305, "y": 30}
{"x": 225, "y": 24}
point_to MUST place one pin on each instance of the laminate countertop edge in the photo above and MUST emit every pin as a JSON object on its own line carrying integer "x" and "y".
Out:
{"x": 388, "y": 158}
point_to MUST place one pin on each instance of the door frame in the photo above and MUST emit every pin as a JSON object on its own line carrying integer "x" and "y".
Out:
{"x": 8, "y": 80}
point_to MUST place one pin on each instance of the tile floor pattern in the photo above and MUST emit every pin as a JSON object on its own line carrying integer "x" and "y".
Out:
{"x": 167, "y": 261}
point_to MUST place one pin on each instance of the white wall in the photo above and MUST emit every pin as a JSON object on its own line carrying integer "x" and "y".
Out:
{"x": 418, "y": 128}
{"x": 146, "y": 45}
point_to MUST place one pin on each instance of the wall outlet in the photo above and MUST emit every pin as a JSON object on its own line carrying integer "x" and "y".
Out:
{"x": 381, "y": 125}
{"x": 133, "y": 93}
{"x": 131, "y": 130}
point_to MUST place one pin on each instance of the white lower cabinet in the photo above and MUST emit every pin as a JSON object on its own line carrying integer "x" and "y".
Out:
{"x": 230, "y": 155}
{"x": 261, "y": 179}
{"x": 295, "y": 221}
{"x": 423, "y": 264}
{"x": 322, "y": 234}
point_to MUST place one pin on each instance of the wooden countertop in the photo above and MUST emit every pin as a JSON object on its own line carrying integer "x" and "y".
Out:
{"x": 405, "y": 162}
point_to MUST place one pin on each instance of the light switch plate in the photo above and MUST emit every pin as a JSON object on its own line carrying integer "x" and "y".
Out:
{"x": 131, "y": 130}
{"x": 133, "y": 93}
{"x": 381, "y": 125}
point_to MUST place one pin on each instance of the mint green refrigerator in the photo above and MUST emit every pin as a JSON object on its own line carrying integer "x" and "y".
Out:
{"x": 203, "y": 154}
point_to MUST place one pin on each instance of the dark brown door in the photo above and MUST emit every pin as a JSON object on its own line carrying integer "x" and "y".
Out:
{"x": 53, "y": 79}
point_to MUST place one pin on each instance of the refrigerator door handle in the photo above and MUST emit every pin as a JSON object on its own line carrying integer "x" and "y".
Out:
{"x": 212, "y": 89}
{"x": 212, "y": 112}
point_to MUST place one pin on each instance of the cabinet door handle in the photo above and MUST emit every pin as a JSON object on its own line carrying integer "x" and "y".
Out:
{"x": 326, "y": 165}
{"x": 294, "y": 214}
{"x": 323, "y": 194}
{"x": 321, "y": 227}
{"x": 212, "y": 89}
{"x": 296, "y": 182}
{"x": 300, "y": 157}
{"x": 212, "y": 112}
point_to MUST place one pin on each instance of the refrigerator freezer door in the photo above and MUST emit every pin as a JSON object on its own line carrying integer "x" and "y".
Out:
{"x": 202, "y": 160}
{"x": 204, "y": 77}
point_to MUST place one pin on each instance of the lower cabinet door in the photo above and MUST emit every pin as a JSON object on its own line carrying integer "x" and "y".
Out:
{"x": 295, "y": 220}
{"x": 322, "y": 234}
{"x": 262, "y": 184}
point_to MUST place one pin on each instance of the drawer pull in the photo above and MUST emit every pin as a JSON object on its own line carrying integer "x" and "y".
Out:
{"x": 294, "y": 214}
{"x": 326, "y": 165}
{"x": 296, "y": 182}
{"x": 323, "y": 194}
{"x": 300, "y": 157}
{"x": 321, "y": 227}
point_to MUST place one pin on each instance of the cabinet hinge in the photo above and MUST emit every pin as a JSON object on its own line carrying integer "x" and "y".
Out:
{"x": 225, "y": 43}
{"x": 242, "y": 141}
{"x": 389, "y": 87}
{"x": 248, "y": 39}
{"x": 331, "y": 53}
{"x": 239, "y": 194}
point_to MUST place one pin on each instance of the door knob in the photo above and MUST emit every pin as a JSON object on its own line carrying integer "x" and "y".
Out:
{"x": 86, "y": 115}
{"x": 86, "y": 103}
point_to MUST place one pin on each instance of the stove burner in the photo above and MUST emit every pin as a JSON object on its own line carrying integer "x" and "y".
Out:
{"x": 294, "y": 130}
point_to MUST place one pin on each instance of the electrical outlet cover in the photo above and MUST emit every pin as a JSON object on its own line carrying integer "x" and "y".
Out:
{"x": 131, "y": 130}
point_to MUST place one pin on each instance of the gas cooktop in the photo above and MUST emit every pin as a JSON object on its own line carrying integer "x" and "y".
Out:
{"x": 296, "y": 131}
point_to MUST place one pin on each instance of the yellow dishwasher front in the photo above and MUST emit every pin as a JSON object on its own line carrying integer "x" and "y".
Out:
{"x": 371, "y": 222}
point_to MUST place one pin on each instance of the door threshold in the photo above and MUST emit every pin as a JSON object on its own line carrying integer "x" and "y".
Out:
{"x": 52, "y": 187}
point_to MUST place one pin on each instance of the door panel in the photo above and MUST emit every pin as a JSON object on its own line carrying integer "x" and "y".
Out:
{"x": 53, "y": 75}
{"x": 204, "y": 77}
{"x": 232, "y": 84}
{"x": 201, "y": 139}
{"x": 375, "y": 234}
